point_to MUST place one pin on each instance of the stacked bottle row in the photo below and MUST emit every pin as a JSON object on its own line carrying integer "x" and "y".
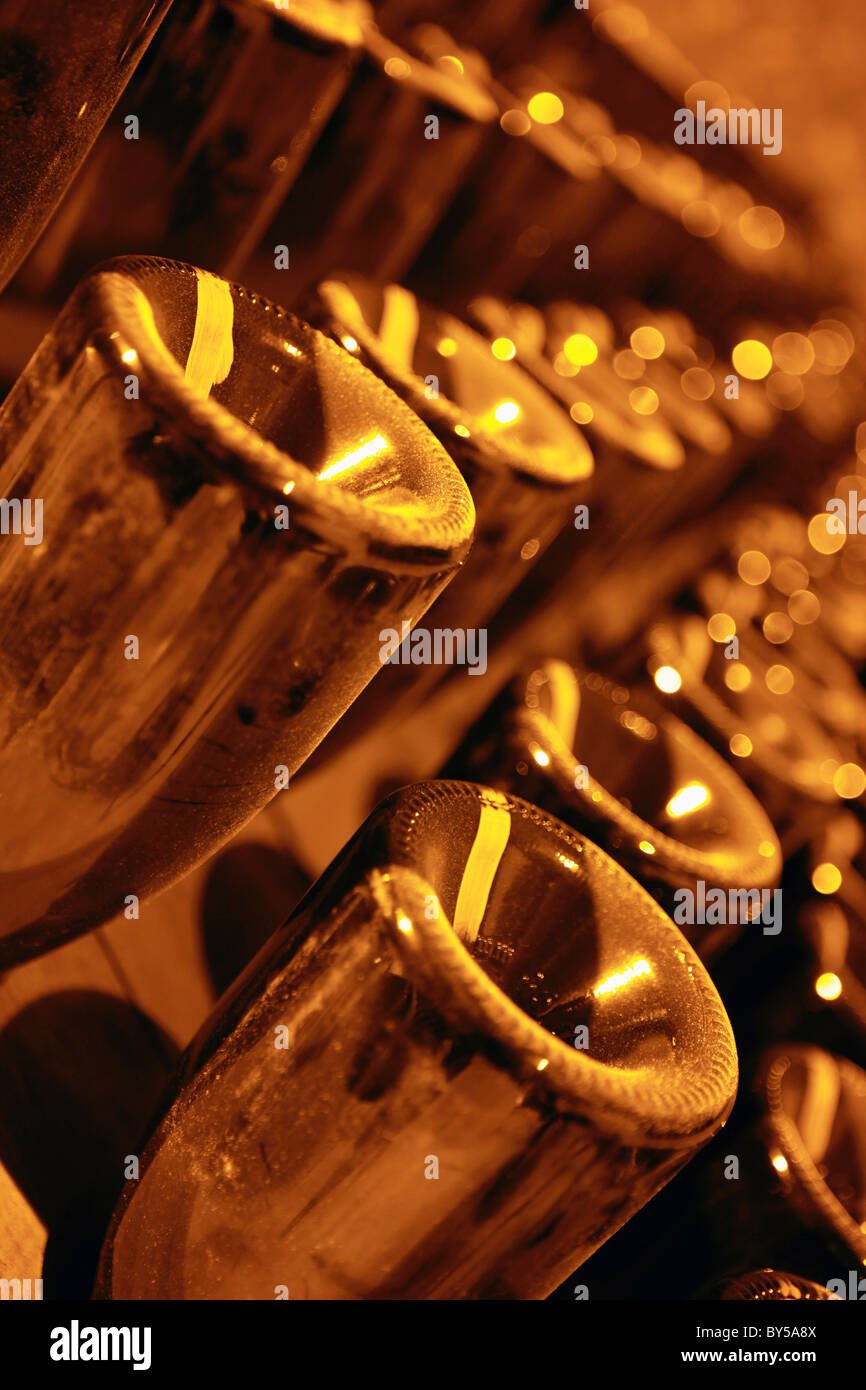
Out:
{"x": 623, "y": 473}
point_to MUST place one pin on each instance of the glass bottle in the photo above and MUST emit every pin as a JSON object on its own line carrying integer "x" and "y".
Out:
{"x": 402, "y": 141}
{"x": 214, "y": 510}
{"x": 476, "y": 1049}
{"x": 227, "y": 108}
{"x": 613, "y": 764}
{"x": 62, "y": 68}
{"x": 524, "y": 461}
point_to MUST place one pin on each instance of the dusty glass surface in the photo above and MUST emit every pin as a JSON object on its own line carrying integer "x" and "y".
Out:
{"x": 62, "y": 68}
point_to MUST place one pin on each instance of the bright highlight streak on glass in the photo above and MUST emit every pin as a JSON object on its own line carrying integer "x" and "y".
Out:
{"x": 364, "y": 451}
{"x": 668, "y": 679}
{"x": 614, "y": 982}
{"x": 828, "y": 986}
{"x": 688, "y": 799}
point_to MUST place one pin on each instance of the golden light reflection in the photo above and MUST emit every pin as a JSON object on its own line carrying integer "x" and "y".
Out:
{"x": 849, "y": 781}
{"x": 789, "y": 574}
{"x": 740, "y": 745}
{"x": 804, "y": 606}
{"x": 822, "y": 539}
{"x": 637, "y": 970}
{"x": 647, "y": 342}
{"x": 697, "y": 383}
{"x": 792, "y": 352}
{"x": 368, "y": 449}
{"x": 503, "y": 349}
{"x": 350, "y": 344}
{"x": 130, "y": 355}
{"x": 668, "y": 679}
{"x": 546, "y": 108}
{"x": 404, "y": 924}
{"x": 646, "y": 847}
{"x": 482, "y": 865}
{"x": 752, "y": 359}
{"x": 397, "y": 68}
{"x": 506, "y": 412}
{"x": 515, "y": 122}
{"x": 446, "y": 347}
{"x": 688, "y": 799}
{"x": 581, "y": 413}
{"x": 780, "y": 1163}
{"x": 600, "y": 149}
{"x": 580, "y": 350}
{"x": 721, "y": 627}
{"x": 761, "y": 228}
{"x": 701, "y": 218}
{"x": 826, "y": 878}
{"x": 542, "y": 1064}
{"x": 643, "y": 400}
{"x": 563, "y": 367}
{"x": 780, "y": 680}
{"x": 738, "y": 677}
{"x": 541, "y": 757}
{"x": 753, "y": 567}
{"x": 832, "y": 344}
{"x": 828, "y": 986}
{"x": 777, "y": 628}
